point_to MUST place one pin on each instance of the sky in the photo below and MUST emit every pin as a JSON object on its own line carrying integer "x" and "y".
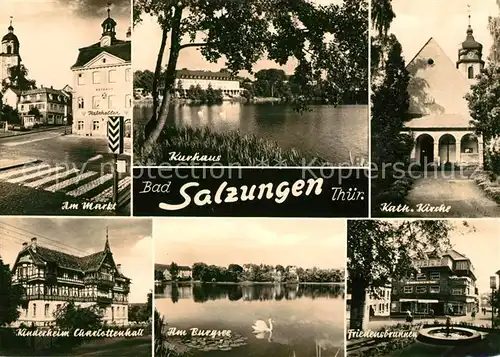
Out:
{"x": 50, "y": 33}
{"x": 147, "y": 37}
{"x": 130, "y": 242}
{"x": 482, "y": 247}
{"x": 306, "y": 243}
{"x": 444, "y": 20}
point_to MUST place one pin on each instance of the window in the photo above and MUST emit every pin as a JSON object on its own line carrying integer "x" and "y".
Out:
{"x": 470, "y": 72}
{"x": 46, "y": 312}
{"x": 434, "y": 289}
{"x": 81, "y": 125}
{"x": 421, "y": 289}
{"x": 112, "y": 102}
{"x": 96, "y": 77}
{"x": 127, "y": 75}
{"x": 456, "y": 291}
{"x": 95, "y": 125}
{"x": 421, "y": 276}
{"x": 9, "y": 49}
{"x": 462, "y": 266}
{"x": 81, "y": 103}
{"x": 81, "y": 80}
{"x": 34, "y": 310}
{"x": 128, "y": 101}
{"x": 96, "y": 102}
{"x": 435, "y": 276}
{"x": 408, "y": 289}
{"x": 112, "y": 76}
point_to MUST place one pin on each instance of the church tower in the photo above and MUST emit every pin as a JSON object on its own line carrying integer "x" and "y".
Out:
{"x": 9, "y": 53}
{"x": 470, "y": 62}
{"x": 108, "y": 30}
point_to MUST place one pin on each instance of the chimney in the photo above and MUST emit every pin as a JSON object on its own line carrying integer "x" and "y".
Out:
{"x": 33, "y": 244}
{"x": 25, "y": 245}
{"x": 129, "y": 33}
{"x": 119, "y": 268}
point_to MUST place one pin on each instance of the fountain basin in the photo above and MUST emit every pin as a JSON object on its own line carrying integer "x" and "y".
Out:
{"x": 457, "y": 335}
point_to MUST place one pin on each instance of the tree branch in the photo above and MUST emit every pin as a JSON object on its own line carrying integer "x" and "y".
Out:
{"x": 193, "y": 44}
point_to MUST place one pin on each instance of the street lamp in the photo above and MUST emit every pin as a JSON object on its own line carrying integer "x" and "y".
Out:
{"x": 493, "y": 287}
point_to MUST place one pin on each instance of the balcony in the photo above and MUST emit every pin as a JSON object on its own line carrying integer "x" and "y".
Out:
{"x": 100, "y": 282}
{"x": 428, "y": 263}
{"x": 28, "y": 297}
{"x": 104, "y": 300}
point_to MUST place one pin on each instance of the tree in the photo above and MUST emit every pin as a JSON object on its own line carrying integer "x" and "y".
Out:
{"x": 35, "y": 112}
{"x": 379, "y": 252}
{"x": 382, "y": 16}
{"x": 483, "y": 101}
{"x": 10, "y": 115}
{"x": 144, "y": 80}
{"x": 494, "y": 27}
{"x": 174, "y": 270}
{"x": 71, "y": 317}
{"x": 18, "y": 79}
{"x": 249, "y": 30}
{"x": 10, "y": 296}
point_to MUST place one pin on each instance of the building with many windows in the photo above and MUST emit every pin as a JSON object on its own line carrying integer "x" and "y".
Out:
{"x": 102, "y": 82}
{"x": 222, "y": 80}
{"x": 53, "y": 105}
{"x": 51, "y": 278}
{"x": 445, "y": 284}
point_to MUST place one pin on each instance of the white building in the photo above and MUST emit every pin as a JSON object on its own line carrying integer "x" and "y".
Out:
{"x": 51, "y": 278}
{"x": 224, "y": 81}
{"x": 102, "y": 82}
{"x": 441, "y": 119}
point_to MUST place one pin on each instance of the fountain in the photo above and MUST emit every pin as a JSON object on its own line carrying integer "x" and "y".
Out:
{"x": 448, "y": 335}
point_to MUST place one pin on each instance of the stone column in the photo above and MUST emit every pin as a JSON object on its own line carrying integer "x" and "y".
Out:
{"x": 436, "y": 152}
{"x": 458, "y": 145}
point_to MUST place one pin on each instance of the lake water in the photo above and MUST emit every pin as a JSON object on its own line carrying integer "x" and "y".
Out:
{"x": 325, "y": 131}
{"x": 308, "y": 319}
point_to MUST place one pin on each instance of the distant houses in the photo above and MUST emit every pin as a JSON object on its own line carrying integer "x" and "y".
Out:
{"x": 171, "y": 272}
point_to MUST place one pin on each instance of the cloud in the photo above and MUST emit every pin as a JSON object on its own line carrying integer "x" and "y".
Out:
{"x": 93, "y": 8}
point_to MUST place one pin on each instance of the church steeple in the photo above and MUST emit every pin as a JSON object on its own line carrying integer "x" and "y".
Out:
{"x": 108, "y": 29}
{"x": 106, "y": 245}
{"x": 470, "y": 54}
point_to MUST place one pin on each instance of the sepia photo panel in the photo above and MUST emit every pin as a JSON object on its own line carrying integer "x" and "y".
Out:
{"x": 78, "y": 287}
{"x": 434, "y": 125}
{"x": 65, "y": 108}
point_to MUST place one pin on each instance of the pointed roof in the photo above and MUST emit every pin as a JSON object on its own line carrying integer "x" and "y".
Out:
{"x": 453, "y": 254}
{"x": 106, "y": 245}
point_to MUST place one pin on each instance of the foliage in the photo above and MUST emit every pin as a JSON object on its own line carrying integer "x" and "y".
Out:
{"x": 10, "y": 296}
{"x": 247, "y": 31}
{"x": 494, "y": 27}
{"x": 163, "y": 347}
{"x": 144, "y": 80}
{"x": 18, "y": 79}
{"x": 9, "y": 114}
{"x": 70, "y": 317}
{"x": 35, "y": 112}
{"x": 379, "y": 252}
{"x": 141, "y": 312}
{"x": 382, "y": 16}
{"x": 203, "y": 96}
{"x": 232, "y": 147}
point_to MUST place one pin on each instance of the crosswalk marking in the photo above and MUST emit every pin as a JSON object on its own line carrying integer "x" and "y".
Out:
{"x": 90, "y": 186}
{"x": 45, "y": 180}
{"x": 107, "y": 194}
{"x": 42, "y": 173}
{"x": 61, "y": 185}
{"x": 22, "y": 171}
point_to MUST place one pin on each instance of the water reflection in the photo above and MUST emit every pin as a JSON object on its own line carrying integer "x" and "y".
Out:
{"x": 256, "y": 292}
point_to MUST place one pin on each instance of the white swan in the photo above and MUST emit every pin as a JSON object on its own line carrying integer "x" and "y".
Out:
{"x": 261, "y": 326}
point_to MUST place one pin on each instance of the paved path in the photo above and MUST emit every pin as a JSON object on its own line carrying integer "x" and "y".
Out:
{"x": 463, "y": 195}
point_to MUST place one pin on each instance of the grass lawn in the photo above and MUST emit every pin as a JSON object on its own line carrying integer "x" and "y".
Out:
{"x": 233, "y": 148}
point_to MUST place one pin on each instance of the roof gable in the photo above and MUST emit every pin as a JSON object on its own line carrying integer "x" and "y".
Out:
{"x": 104, "y": 59}
{"x": 436, "y": 85}
{"x": 120, "y": 49}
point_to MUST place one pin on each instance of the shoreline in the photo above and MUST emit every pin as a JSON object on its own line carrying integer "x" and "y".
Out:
{"x": 245, "y": 283}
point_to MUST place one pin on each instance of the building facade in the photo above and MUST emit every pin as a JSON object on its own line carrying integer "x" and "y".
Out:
{"x": 223, "y": 81}
{"x": 53, "y": 105}
{"x": 102, "y": 82}
{"x": 377, "y": 300}
{"x": 51, "y": 278}
{"x": 9, "y": 53}
{"x": 440, "y": 121}
{"x": 445, "y": 284}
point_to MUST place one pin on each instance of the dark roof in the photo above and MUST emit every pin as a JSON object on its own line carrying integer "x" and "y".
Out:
{"x": 118, "y": 48}
{"x": 167, "y": 267}
{"x": 206, "y": 74}
{"x": 470, "y": 42}
{"x": 455, "y": 255}
{"x": 42, "y": 90}
{"x": 86, "y": 263}
{"x": 10, "y": 36}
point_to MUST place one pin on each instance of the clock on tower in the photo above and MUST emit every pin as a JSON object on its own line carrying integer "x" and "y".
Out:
{"x": 108, "y": 30}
